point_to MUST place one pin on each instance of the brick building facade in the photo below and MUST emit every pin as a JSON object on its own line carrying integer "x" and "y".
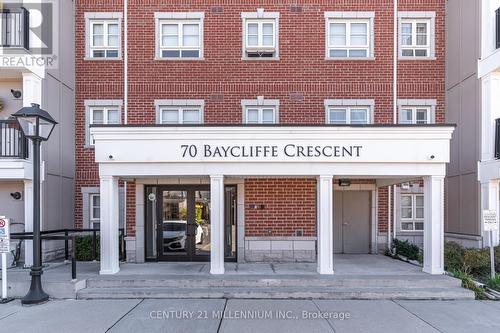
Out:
{"x": 314, "y": 71}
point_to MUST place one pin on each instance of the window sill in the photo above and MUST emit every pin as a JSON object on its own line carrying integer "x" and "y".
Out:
{"x": 179, "y": 59}
{"x": 417, "y": 59}
{"x": 102, "y": 59}
{"x": 351, "y": 59}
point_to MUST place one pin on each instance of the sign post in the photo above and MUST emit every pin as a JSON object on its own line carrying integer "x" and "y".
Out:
{"x": 4, "y": 249}
{"x": 490, "y": 222}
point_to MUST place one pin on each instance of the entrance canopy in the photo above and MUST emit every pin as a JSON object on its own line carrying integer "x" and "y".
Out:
{"x": 365, "y": 151}
{"x": 387, "y": 153}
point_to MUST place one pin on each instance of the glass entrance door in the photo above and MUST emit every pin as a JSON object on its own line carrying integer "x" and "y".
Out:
{"x": 178, "y": 223}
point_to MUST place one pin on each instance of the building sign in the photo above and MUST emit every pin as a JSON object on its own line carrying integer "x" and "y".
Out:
{"x": 4, "y": 235}
{"x": 490, "y": 220}
{"x": 284, "y": 151}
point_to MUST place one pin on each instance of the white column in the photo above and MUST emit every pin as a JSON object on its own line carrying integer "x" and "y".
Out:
{"x": 325, "y": 224}
{"x": 109, "y": 225}
{"x": 434, "y": 224}
{"x": 28, "y": 221}
{"x": 489, "y": 200}
{"x": 217, "y": 224}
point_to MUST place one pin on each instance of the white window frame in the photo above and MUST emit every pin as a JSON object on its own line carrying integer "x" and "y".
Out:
{"x": 180, "y": 19}
{"x": 105, "y": 18}
{"x": 414, "y": 219}
{"x": 179, "y": 105}
{"x": 260, "y": 17}
{"x": 348, "y": 105}
{"x": 414, "y": 110}
{"x": 92, "y": 218}
{"x": 417, "y": 17}
{"x": 414, "y": 104}
{"x": 105, "y": 105}
{"x": 260, "y": 104}
{"x": 349, "y": 18}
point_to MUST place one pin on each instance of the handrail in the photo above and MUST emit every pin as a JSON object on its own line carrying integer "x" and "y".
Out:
{"x": 70, "y": 234}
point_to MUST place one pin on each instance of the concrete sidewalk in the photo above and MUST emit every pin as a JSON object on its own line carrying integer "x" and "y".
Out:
{"x": 195, "y": 315}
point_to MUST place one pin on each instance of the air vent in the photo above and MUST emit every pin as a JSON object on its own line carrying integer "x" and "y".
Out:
{"x": 217, "y": 9}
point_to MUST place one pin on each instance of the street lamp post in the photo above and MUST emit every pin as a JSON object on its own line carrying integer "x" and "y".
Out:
{"x": 36, "y": 125}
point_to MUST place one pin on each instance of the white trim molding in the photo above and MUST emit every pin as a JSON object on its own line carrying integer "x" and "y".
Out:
{"x": 431, "y": 103}
{"x": 196, "y": 103}
{"x": 431, "y": 17}
{"x": 103, "y": 16}
{"x": 263, "y": 16}
{"x": 349, "y": 103}
{"x": 345, "y": 17}
{"x": 91, "y": 103}
{"x": 179, "y": 17}
{"x": 260, "y": 101}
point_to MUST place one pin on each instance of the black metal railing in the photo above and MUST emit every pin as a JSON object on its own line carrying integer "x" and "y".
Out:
{"x": 13, "y": 143}
{"x": 498, "y": 27}
{"x": 67, "y": 235}
{"x": 497, "y": 138}
{"x": 14, "y": 28}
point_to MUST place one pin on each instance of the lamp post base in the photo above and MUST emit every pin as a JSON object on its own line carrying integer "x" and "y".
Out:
{"x": 35, "y": 295}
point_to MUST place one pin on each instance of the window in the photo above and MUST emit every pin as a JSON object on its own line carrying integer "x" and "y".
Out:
{"x": 260, "y": 115}
{"x": 95, "y": 210}
{"x": 416, "y": 35}
{"x": 348, "y": 39}
{"x": 497, "y": 22}
{"x": 412, "y": 212}
{"x": 415, "y": 115}
{"x": 179, "y": 35}
{"x": 260, "y": 111}
{"x": 349, "y": 35}
{"x": 260, "y": 34}
{"x": 103, "y": 35}
{"x": 415, "y": 38}
{"x": 104, "y": 115}
{"x": 101, "y": 112}
{"x": 348, "y": 115}
{"x": 179, "y": 111}
{"x": 180, "y": 115}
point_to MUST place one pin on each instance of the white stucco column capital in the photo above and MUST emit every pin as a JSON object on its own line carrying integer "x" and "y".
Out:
{"x": 109, "y": 235}
{"x": 434, "y": 224}
{"x": 217, "y": 224}
{"x": 325, "y": 224}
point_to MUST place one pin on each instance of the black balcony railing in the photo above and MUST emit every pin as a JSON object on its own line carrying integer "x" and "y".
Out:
{"x": 498, "y": 27}
{"x": 14, "y": 28}
{"x": 13, "y": 143}
{"x": 497, "y": 139}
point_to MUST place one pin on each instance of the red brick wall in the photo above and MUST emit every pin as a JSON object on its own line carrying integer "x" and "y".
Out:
{"x": 223, "y": 79}
{"x": 289, "y": 205}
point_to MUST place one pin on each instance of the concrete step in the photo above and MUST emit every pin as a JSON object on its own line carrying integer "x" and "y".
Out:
{"x": 253, "y": 281}
{"x": 449, "y": 293}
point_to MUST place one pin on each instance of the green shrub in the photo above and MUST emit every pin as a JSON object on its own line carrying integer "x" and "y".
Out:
{"x": 494, "y": 283}
{"x": 84, "y": 248}
{"x": 468, "y": 283}
{"x": 406, "y": 249}
{"x": 453, "y": 256}
{"x": 477, "y": 262}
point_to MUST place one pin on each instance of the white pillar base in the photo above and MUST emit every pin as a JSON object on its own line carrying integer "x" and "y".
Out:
{"x": 217, "y": 224}
{"x": 434, "y": 224}
{"x": 325, "y": 224}
{"x": 110, "y": 257}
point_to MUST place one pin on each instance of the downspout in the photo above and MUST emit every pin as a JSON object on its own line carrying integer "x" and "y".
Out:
{"x": 394, "y": 236}
{"x": 125, "y": 99}
{"x": 389, "y": 240}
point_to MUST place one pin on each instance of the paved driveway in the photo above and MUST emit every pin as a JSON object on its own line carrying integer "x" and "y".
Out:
{"x": 251, "y": 316}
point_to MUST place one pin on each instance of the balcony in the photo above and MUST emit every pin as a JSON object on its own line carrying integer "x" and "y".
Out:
{"x": 13, "y": 144}
{"x": 14, "y": 28}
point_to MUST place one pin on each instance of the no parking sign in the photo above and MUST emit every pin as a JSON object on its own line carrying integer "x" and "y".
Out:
{"x": 4, "y": 235}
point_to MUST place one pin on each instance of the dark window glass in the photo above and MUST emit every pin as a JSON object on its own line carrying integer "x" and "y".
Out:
{"x": 170, "y": 54}
{"x": 190, "y": 54}
{"x": 112, "y": 53}
{"x": 98, "y": 54}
